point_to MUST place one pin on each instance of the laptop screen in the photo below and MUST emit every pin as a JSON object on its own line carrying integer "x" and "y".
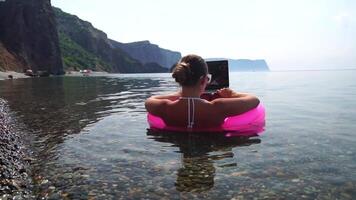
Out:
{"x": 219, "y": 71}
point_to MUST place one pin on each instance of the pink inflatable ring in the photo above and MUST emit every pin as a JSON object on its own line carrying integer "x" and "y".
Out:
{"x": 246, "y": 124}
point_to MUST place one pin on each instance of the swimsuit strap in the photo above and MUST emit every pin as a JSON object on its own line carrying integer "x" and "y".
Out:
{"x": 197, "y": 98}
{"x": 190, "y": 113}
{"x": 191, "y": 110}
{"x": 188, "y": 126}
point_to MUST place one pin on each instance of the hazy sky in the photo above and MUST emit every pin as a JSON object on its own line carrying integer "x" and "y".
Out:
{"x": 287, "y": 33}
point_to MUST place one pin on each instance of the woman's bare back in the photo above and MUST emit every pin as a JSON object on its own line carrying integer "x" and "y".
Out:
{"x": 205, "y": 115}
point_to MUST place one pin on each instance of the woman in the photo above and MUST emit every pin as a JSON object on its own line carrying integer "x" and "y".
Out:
{"x": 185, "y": 108}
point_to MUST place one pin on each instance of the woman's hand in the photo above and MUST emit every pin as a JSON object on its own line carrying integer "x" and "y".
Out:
{"x": 226, "y": 93}
{"x": 229, "y": 93}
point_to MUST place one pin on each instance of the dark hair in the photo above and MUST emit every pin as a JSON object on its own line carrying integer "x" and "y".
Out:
{"x": 189, "y": 70}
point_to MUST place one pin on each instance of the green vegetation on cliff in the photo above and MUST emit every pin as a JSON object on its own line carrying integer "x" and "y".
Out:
{"x": 85, "y": 47}
{"x": 76, "y": 58}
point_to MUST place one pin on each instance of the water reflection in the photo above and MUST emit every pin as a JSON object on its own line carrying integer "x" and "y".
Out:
{"x": 198, "y": 171}
{"x": 62, "y": 106}
{"x": 54, "y": 109}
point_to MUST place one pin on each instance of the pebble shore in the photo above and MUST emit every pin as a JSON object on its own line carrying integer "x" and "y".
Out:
{"x": 14, "y": 160}
{"x": 15, "y": 75}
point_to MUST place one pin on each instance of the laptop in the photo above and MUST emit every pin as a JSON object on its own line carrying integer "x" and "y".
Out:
{"x": 219, "y": 71}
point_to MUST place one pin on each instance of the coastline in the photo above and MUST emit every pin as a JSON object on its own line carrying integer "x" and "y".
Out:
{"x": 76, "y": 73}
{"x": 17, "y": 75}
{"x": 14, "y": 159}
{"x": 4, "y": 75}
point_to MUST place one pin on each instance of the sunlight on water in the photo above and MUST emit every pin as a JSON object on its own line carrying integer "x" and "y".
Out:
{"x": 90, "y": 139}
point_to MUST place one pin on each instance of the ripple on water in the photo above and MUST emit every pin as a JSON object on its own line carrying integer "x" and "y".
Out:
{"x": 91, "y": 140}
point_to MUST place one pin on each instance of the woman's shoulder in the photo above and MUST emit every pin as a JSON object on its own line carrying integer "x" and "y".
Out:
{"x": 156, "y": 106}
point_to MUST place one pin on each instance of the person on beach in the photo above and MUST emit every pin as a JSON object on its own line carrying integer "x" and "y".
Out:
{"x": 186, "y": 108}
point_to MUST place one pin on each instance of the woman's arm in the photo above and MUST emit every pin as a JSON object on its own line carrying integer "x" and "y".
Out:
{"x": 156, "y": 104}
{"x": 229, "y": 93}
{"x": 232, "y": 103}
{"x": 173, "y": 96}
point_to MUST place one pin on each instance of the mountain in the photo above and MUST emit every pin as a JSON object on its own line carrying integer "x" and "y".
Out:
{"x": 28, "y": 37}
{"x": 146, "y": 52}
{"x": 34, "y": 35}
{"x": 244, "y": 64}
{"x": 85, "y": 47}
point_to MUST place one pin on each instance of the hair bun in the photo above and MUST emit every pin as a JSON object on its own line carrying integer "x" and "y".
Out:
{"x": 181, "y": 72}
{"x": 189, "y": 70}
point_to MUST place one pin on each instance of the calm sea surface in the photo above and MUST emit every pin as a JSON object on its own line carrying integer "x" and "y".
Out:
{"x": 90, "y": 140}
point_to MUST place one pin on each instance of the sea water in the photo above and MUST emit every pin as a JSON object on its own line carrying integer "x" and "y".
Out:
{"x": 89, "y": 139}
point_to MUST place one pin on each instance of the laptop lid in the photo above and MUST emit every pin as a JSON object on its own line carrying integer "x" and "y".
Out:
{"x": 219, "y": 71}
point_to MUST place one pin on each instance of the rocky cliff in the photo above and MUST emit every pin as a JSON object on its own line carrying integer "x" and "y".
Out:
{"x": 84, "y": 46}
{"x": 28, "y": 37}
{"x": 146, "y": 52}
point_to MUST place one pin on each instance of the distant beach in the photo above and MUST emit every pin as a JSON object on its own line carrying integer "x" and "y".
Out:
{"x": 76, "y": 73}
{"x": 5, "y": 75}
{"x": 16, "y": 75}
